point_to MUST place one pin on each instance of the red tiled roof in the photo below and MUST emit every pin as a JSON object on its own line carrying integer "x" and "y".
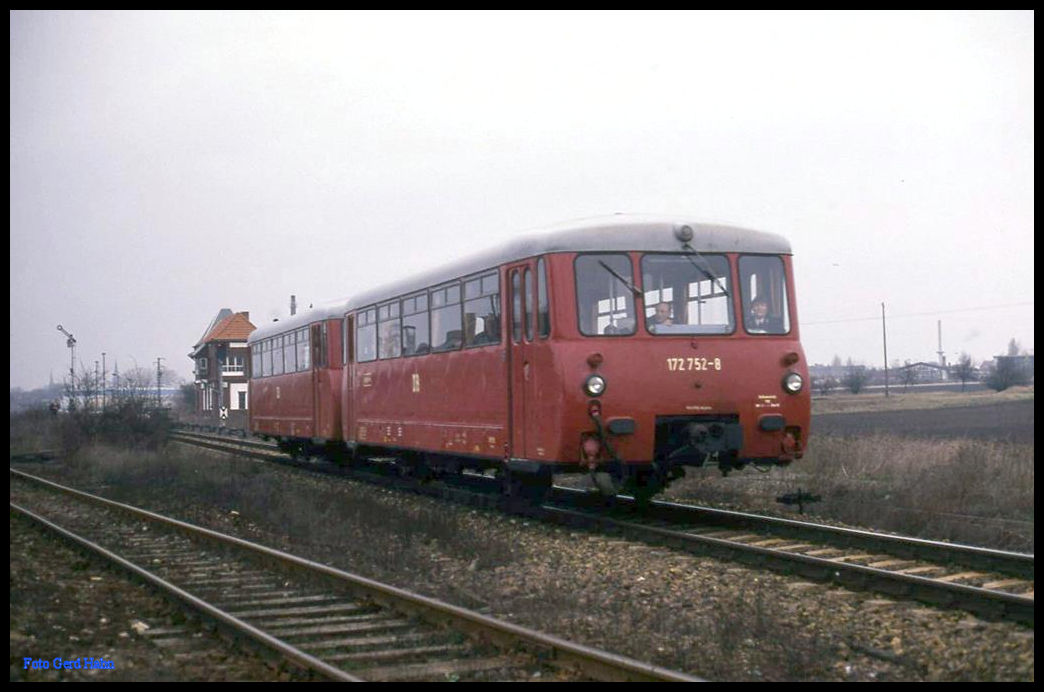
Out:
{"x": 235, "y": 327}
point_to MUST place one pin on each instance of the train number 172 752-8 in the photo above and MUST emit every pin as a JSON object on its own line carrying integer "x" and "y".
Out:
{"x": 693, "y": 363}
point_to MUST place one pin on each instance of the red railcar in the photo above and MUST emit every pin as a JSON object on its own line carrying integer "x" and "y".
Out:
{"x": 295, "y": 380}
{"x": 629, "y": 347}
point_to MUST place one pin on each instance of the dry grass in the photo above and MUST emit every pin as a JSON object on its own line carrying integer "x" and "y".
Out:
{"x": 897, "y": 400}
{"x": 321, "y": 515}
{"x": 967, "y": 491}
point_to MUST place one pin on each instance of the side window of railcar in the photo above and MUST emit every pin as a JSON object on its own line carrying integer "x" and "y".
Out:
{"x": 482, "y": 310}
{"x": 605, "y": 295}
{"x": 290, "y": 351}
{"x": 266, "y": 355}
{"x": 277, "y": 355}
{"x": 516, "y": 306}
{"x": 366, "y": 336}
{"x": 304, "y": 350}
{"x": 530, "y": 303}
{"x": 543, "y": 306}
{"x": 389, "y": 338}
{"x": 687, "y": 294}
{"x": 415, "y": 339}
{"x": 255, "y": 361}
{"x": 764, "y": 285}
{"x": 319, "y": 335}
{"x": 446, "y": 334}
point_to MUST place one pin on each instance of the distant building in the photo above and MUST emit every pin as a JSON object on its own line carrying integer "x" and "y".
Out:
{"x": 221, "y": 362}
{"x": 923, "y": 373}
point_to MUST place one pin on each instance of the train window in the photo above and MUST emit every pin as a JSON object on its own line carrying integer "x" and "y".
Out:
{"x": 266, "y": 354}
{"x": 543, "y": 308}
{"x": 482, "y": 311}
{"x": 304, "y": 350}
{"x": 415, "y": 339}
{"x": 290, "y": 351}
{"x": 389, "y": 331}
{"x": 605, "y": 295}
{"x": 255, "y": 360}
{"x": 763, "y": 281}
{"x": 687, "y": 294}
{"x": 530, "y": 303}
{"x": 277, "y": 355}
{"x": 319, "y": 338}
{"x": 344, "y": 341}
{"x": 366, "y": 336}
{"x": 446, "y": 333}
{"x": 516, "y": 307}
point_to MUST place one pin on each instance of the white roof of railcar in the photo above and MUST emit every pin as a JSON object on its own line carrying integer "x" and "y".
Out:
{"x": 325, "y": 311}
{"x": 612, "y": 233}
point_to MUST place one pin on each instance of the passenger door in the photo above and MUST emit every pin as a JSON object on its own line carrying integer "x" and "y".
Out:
{"x": 318, "y": 343}
{"x": 521, "y": 304}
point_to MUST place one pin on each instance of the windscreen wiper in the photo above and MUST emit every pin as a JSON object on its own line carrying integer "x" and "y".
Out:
{"x": 622, "y": 280}
{"x": 706, "y": 269}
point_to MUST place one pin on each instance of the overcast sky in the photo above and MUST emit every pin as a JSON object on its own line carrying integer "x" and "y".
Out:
{"x": 167, "y": 165}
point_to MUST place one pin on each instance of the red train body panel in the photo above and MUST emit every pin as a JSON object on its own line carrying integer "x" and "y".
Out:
{"x": 627, "y": 346}
{"x": 298, "y": 402}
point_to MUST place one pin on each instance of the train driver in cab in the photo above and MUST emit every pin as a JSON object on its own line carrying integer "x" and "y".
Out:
{"x": 759, "y": 321}
{"x": 661, "y": 316}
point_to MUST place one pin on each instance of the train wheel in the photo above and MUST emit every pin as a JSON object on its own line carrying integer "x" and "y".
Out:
{"x": 528, "y": 488}
{"x": 644, "y": 484}
{"x": 608, "y": 484}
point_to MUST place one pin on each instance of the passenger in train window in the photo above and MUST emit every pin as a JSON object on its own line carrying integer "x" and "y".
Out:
{"x": 662, "y": 316}
{"x": 759, "y": 321}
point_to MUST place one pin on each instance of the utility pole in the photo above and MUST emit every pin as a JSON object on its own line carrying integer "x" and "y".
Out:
{"x": 159, "y": 397}
{"x": 103, "y": 380}
{"x": 941, "y": 354}
{"x": 884, "y": 336}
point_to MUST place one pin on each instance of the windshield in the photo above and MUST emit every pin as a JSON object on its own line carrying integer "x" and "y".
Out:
{"x": 764, "y": 289}
{"x": 605, "y": 295}
{"x": 686, "y": 294}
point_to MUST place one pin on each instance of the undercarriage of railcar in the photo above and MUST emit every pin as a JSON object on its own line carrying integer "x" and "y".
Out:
{"x": 680, "y": 442}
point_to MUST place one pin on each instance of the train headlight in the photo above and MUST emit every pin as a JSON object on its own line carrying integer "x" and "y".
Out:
{"x": 793, "y": 383}
{"x": 594, "y": 385}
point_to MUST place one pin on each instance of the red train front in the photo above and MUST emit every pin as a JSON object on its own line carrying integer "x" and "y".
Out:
{"x": 628, "y": 347}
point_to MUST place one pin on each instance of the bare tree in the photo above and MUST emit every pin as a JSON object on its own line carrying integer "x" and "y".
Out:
{"x": 964, "y": 370}
{"x": 855, "y": 378}
{"x": 909, "y": 375}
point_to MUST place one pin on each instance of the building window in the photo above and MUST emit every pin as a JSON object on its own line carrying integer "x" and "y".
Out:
{"x": 232, "y": 365}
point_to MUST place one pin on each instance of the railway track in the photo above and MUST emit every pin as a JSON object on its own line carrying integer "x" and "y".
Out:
{"x": 990, "y": 583}
{"x": 338, "y": 625}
